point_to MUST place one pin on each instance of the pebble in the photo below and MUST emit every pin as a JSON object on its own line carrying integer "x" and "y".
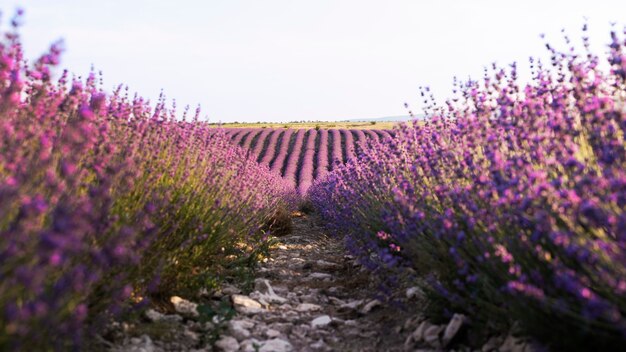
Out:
{"x": 246, "y": 305}
{"x": 308, "y": 307}
{"x": 453, "y": 328}
{"x": 239, "y": 329}
{"x": 276, "y": 345}
{"x": 370, "y": 305}
{"x": 321, "y": 321}
{"x": 184, "y": 306}
{"x": 320, "y": 276}
{"x": 227, "y": 344}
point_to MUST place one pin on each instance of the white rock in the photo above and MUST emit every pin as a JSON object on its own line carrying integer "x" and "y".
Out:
{"x": 271, "y": 333}
{"x": 227, "y": 344}
{"x": 230, "y": 290}
{"x": 336, "y": 301}
{"x": 492, "y": 344}
{"x": 515, "y": 344}
{"x": 431, "y": 335}
{"x": 239, "y": 329}
{"x": 184, "y": 306}
{"x": 322, "y": 264}
{"x": 250, "y": 345}
{"x": 453, "y": 328}
{"x": 155, "y": 316}
{"x": 308, "y": 307}
{"x": 266, "y": 292}
{"x": 352, "y": 304}
{"x": 318, "y": 345}
{"x": 370, "y": 305}
{"x": 276, "y": 345}
{"x": 321, "y": 321}
{"x": 320, "y": 276}
{"x": 192, "y": 335}
{"x": 418, "y": 334}
{"x": 246, "y": 305}
{"x": 141, "y": 344}
{"x": 412, "y": 292}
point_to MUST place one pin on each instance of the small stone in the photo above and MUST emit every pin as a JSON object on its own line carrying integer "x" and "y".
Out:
{"x": 320, "y": 276}
{"x": 246, "y": 305}
{"x": 271, "y": 333}
{"x": 230, "y": 290}
{"x": 493, "y": 344}
{"x": 321, "y": 321}
{"x": 308, "y": 307}
{"x": 324, "y": 265}
{"x": 418, "y": 334}
{"x": 239, "y": 329}
{"x": 352, "y": 304}
{"x": 453, "y": 328}
{"x": 155, "y": 316}
{"x": 184, "y": 306}
{"x": 431, "y": 335}
{"x": 370, "y": 305}
{"x": 141, "y": 344}
{"x": 227, "y": 344}
{"x": 319, "y": 345}
{"x": 191, "y": 335}
{"x": 336, "y": 301}
{"x": 276, "y": 345}
{"x": 413, "y": 292}
{"x": 250, "y": 345}
{"x": 266, "y": 292}
{"x": 515, "y": 344}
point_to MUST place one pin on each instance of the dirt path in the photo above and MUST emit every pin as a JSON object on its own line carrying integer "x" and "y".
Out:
{"x": 308, "y": 296}
{"x": 319, "y": 300}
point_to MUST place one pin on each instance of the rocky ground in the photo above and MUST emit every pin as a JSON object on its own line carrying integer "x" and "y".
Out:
{"x": 309, "y": 296}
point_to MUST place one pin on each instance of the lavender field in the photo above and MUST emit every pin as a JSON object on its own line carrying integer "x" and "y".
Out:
{"x": 301, "y": 156}
{"x": 503, "y": 210}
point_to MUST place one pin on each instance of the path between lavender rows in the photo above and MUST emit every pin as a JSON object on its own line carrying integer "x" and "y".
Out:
{"x": 309, "y": 296}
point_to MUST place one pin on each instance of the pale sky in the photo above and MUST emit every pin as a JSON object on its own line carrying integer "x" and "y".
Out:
{"x": 283, "y": 60}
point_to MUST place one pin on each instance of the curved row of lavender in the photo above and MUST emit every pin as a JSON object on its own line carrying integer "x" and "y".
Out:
{"x": 507, "y": 205}
{"x": 105, "y": 198}
{"x": 268, "y": 155}
{"x": 291, "y": 165}
{"x": 306, "y": 170}
{"x": 282, "y": 152}
{"x": 336, "y": 156}
{"x": 322, "y": 155}
{"x": 286, "y": 153}
{"x": 260, "y": 143}
{"x": 349, "y": 144}
{"x": 247, "y": 141}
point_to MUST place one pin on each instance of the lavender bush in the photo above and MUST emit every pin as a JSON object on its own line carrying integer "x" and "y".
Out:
{"x": 104, "y": 199}
{"x": 509, "y": 202}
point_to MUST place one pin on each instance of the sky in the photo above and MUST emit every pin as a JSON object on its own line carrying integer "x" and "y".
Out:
{"x": 287, "y": 60}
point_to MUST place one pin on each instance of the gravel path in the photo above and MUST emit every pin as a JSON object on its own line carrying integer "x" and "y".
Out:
{"x": 309, "y": 296}
{"x": 313, "y": 297}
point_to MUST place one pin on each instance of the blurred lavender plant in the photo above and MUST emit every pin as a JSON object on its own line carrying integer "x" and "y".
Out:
{"x": 509, "y": 200}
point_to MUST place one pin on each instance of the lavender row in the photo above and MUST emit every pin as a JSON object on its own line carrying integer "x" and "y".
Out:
{"x": 507, "y": 205}
{"x": 106, "y": 201}
{"x": 292, "y": 162}
{"x": 306, "y": 170}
